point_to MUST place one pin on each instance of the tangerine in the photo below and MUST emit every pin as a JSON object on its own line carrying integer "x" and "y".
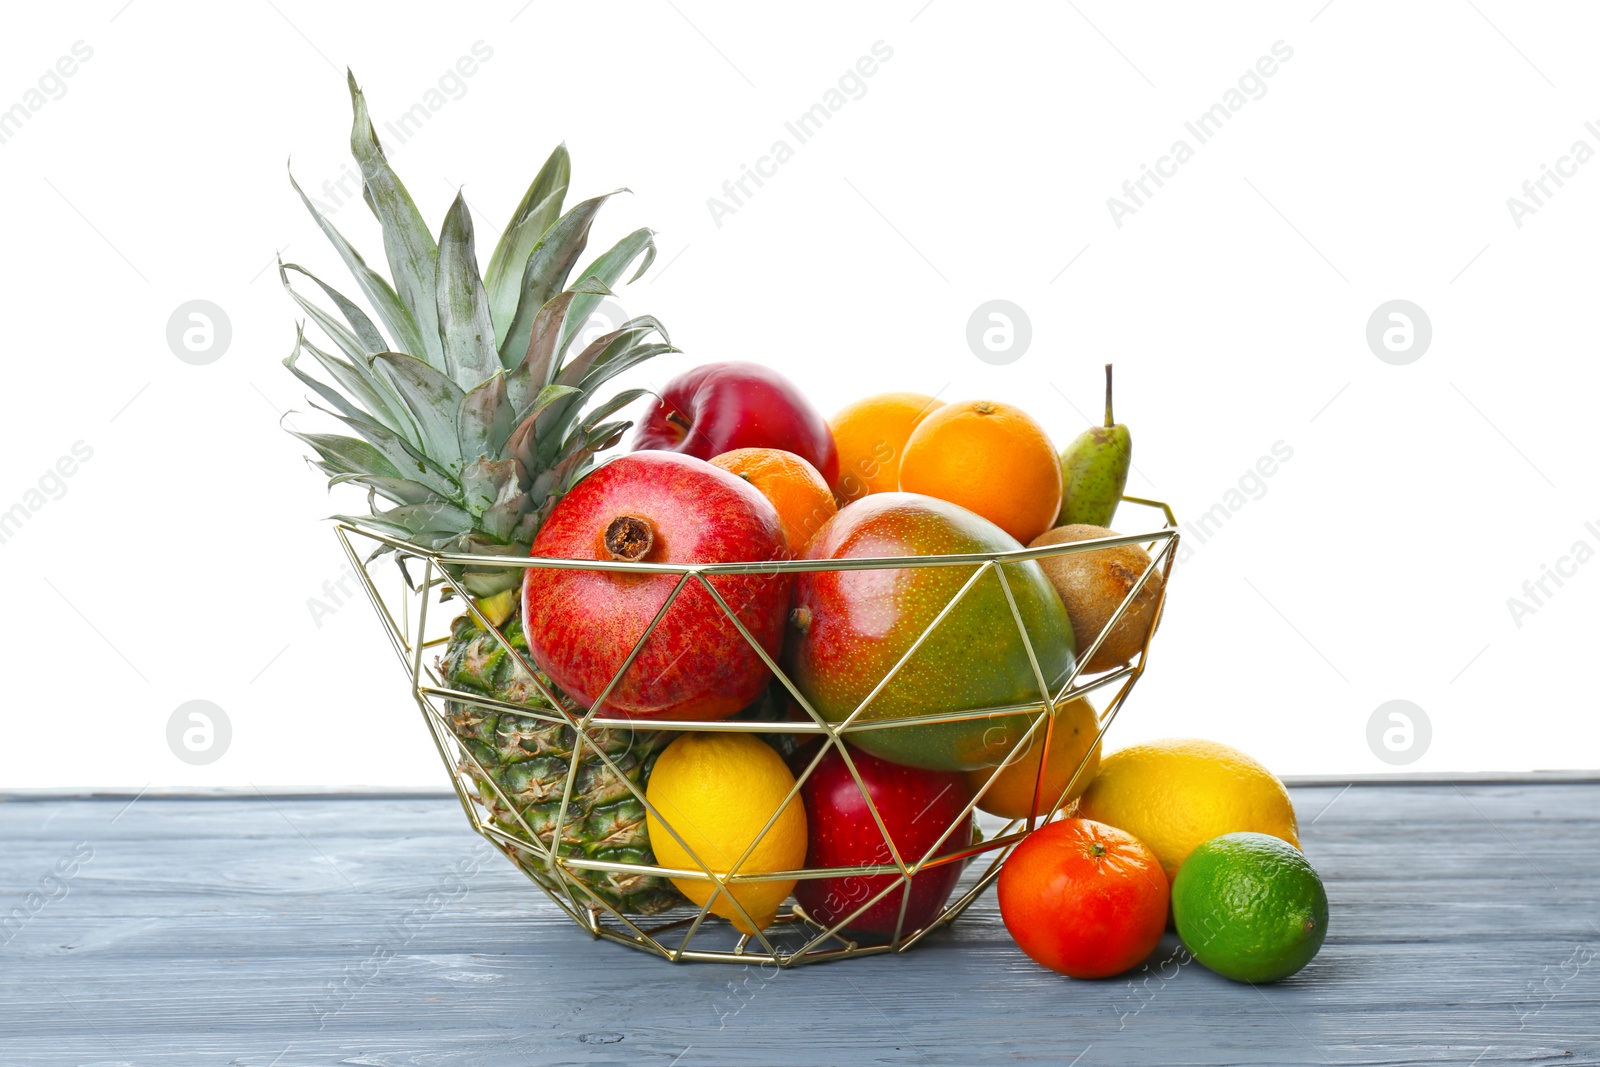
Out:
{"x": 1083, "y": 898}
{"x": 790, "y": 483}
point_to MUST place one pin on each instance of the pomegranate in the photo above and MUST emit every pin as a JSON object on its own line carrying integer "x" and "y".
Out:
{"x": 657, "y": 507}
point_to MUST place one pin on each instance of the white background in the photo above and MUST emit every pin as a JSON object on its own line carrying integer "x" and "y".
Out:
{"x": 1377, "y": 565}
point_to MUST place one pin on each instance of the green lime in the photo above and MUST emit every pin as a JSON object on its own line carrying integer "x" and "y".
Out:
{"x": 1250, "y": 907}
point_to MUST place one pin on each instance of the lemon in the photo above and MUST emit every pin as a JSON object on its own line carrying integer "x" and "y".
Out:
{"x": 1177, "y": 793}
{"x": 717, "y": 792}
{"x": 1250, "y": 907}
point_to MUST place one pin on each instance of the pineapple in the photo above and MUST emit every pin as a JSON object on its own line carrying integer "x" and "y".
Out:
{"x": 530, "y": 759}
{"x": 471, "y": 419}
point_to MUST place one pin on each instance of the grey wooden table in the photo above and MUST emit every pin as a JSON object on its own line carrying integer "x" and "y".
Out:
{"x": 378, "y": 930}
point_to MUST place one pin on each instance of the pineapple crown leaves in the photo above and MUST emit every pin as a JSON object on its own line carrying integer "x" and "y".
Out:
{"x": 469, "y": 415}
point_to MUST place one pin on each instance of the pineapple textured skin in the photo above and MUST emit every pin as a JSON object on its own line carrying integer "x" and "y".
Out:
{"x": 529, "y": 760}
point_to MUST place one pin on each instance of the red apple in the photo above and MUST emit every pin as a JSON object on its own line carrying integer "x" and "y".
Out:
{"x": 916, "y": 806}
{"x": 718, "y": 407}
{"x": 657, "y": 507}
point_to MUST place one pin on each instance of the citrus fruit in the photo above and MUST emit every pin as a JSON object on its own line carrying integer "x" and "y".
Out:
{"x": 1010, "y": 794}
{"x": 1176, "y": 793}
{"x": 871, "y": 436}
{"x": 790, "y": 483}
{"x": 1083, "y": 898}
{"x": 991, "y": 458}
{"x": 1250, "y": 907}
{"x": 717, "y": 791}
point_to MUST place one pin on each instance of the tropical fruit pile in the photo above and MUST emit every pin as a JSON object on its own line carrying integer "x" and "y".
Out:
{"x": 758, "y": 654}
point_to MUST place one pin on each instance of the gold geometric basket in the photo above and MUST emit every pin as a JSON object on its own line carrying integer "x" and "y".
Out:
{"x": 418, "y": 597}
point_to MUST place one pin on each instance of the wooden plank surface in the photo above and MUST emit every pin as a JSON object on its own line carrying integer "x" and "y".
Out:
{"x": 257, "y": 931}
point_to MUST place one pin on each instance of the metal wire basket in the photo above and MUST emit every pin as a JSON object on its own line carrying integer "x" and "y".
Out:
{"x": 417, "y": 595}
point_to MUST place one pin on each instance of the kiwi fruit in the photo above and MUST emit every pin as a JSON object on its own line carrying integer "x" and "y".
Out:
{"x": 1092, "y": 584}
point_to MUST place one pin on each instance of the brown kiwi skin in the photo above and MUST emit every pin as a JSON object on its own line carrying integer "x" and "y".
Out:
{"x": 1092, "y": 584}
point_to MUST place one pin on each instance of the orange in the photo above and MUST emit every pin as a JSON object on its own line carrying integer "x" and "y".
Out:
{"x": 1010, "y": 795}
{"x": 790, "y": 484}
{"x": 991, "y": 458}
{"x": 871, "y": 436}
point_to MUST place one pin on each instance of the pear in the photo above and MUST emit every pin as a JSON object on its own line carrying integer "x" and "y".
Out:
{"x": 1091, "y": 584}
{"x": 1094, "y": 471}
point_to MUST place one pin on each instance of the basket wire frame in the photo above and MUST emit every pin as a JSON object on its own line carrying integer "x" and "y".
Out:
{"x": 404, "y": 600}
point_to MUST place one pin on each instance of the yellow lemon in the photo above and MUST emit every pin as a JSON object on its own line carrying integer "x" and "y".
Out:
{"x": 717, "y": 792}
{"x": 1178, "y": 793}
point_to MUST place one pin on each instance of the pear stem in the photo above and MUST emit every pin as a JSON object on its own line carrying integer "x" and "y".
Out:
{"x": 1109, "y": 420}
